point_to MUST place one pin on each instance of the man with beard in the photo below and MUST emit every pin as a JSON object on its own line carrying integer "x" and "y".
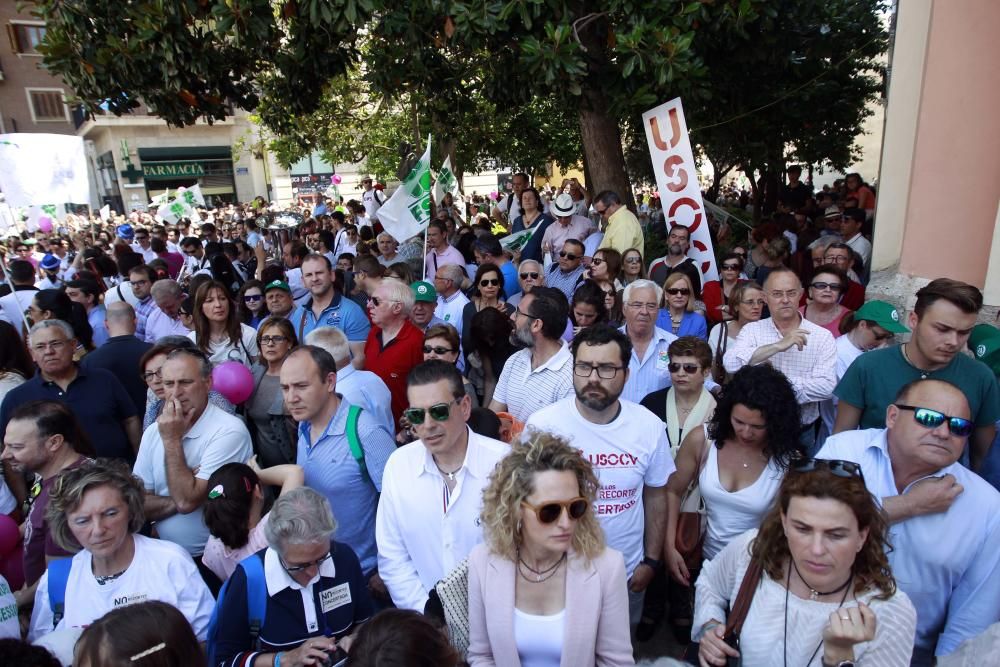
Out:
{"x": 542, "y": 373}
{"x": 678, "y": 244}
{"x": 627, "y": 446}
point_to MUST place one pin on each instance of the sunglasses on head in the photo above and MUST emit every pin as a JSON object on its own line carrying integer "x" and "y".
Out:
{"x": 439, "y": 412}
{"x": 549, "y": 512}
{"x": 568, "y": 255}
{"x": 530, "y": 274}
{"x": 674, "y": 291}
{"x": 437, "y": 350}
{"x": 835, "y": 466}
{"x": 688, "y": 368}
{"x": 932, "y": 419}
{"x": 494, "y": 282}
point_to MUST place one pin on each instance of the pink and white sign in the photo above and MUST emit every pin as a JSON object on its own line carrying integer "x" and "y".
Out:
{"x": 677, "y": 181}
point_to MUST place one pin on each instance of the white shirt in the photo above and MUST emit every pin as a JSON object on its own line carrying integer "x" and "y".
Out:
{"x": 10, "y": 628}
{"x": 277, "y": 579}
{"x": 450, "y": 310}
{"x": 159, "y": 570}
{"x": 217, "y": 438}
{"x": 811, "y": 370}
{"x": 627, "y": 454}
{"x": 423, "y": 532}
{"x": 539, "y": 639}
{"x": 367, "y": 390}
{"x": 148, "y": 254}
{"x": 949, "y": 562}
{"x": 244, "y": 352}
{"x": 847, "y": 352}
{"x": 525, "y": 391}
{"x": 121, "y": 292}
{"x": 372, "y": 202}
{"x": 13, "y": 305}
{"x": 159, "y": 324}
{"x": 299, "y": 292}
{"x": 863, "y": 247}
{"x": 652, "y": 372}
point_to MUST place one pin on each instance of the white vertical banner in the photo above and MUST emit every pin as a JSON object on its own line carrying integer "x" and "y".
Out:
{"x": 447, "y": 182}
{"x": 677, "y": 181}
{"x": 39, "y": 168}
{"x": 408, "y": 211}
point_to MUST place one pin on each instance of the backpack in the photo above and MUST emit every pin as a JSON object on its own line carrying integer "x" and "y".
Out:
{"x": 58, "y": 576}
{"x": 355, "y": 441}
{"x": 253, "y": 567}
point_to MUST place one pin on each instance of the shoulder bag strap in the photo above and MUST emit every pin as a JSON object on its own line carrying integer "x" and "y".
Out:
{"x": 741, "y": 605}
{"x": 355, "y": 441}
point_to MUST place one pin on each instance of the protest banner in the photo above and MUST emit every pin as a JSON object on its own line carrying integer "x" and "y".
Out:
{"x": 447, "y": 182}
{"x": 408, "y": 211}
{"x": 41, "y": 168}
{"x": 677, "y": 181}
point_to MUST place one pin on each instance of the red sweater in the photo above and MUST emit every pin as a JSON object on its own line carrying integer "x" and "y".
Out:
{"x": 393, "y": 362}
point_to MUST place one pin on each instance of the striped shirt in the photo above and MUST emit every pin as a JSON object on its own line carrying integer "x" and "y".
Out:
{"x": 562, "y": 281}
{"x": 651, "y": 373}
{"x": 142, "y": 312}
{"x": 524, "y": 390}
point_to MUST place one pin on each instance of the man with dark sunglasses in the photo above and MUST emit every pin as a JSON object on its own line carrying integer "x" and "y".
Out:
{"x": 946, "y": 520}
{"x": 678, "y": 244}
{"x": 566, "y": 274}
{"x": 627, "y": 446}
{"x": 428, "y": 514}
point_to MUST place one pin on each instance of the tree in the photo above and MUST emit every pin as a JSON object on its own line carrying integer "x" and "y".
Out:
{"x": 600, "y": 60}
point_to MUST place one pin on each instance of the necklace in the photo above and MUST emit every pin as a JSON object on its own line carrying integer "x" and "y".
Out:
{"x": 449, "y": 475}
{"x": 103, "y": 579}
{"x": 923, "y": 373}
{"x": 539, "y": 575}
{"x": 813, "y": 593}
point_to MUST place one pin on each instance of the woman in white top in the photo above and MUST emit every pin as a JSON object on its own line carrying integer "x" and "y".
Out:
{"x": 96, "y": 509}
{"x": 218, "y": 331}
{"x": 544, "y": 591}
{"x": 746, "y": 304}
{"x": 738, "y": 459}
{"x": 234, "y": 511}
{"x": 15, "y": 362}
{"x": 826, "y": 595}
{"x": 872, "y": 326}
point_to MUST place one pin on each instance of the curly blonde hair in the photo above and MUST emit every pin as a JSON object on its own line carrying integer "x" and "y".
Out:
{"x": 514, "y": 480}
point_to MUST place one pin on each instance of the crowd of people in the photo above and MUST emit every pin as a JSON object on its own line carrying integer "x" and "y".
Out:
{"x": 227, "y": 445}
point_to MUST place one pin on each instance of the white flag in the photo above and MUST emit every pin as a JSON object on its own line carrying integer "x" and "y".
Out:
{"x": 447, "y": 182}
{"x": 40, "y": 168}
{"x": 408, "y": 211}
{"x": 106, "y": 212}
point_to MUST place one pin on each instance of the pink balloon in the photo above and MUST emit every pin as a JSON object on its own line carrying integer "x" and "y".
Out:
{"x": 9, "y": 535}
{"x": 336, "y": 179}
{"x": 12, "y": 569}
{"x": 233, "y": 380}
{"x": 45, "y": 223}
{"x": 494, "y": 195}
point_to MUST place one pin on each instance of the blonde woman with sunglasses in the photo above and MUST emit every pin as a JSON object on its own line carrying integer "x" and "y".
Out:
{"x": 544, "y": 589}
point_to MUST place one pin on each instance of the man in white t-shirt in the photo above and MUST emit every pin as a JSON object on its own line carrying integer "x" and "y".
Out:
{"x": 509, "y": 204}
{"x": 189, "y": 441}
{"x": 372, "y": 198}
{"x": 627, "y": 446}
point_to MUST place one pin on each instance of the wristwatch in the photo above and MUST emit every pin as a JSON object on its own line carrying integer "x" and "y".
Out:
{"x": 842, "y": 663}
{"x": 653, "y": 563}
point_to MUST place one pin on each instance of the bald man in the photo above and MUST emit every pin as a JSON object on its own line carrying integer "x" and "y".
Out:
{"x": 122, "y": 352}
{"x": 945, "y": 519}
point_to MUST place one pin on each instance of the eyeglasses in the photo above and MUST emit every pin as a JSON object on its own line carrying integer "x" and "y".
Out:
{"x": 252, "y": 298}
{"x": 605, "y": 371}
{"x": 439, "y": 412}
{"x": 375, "y": 301}
{"x": 518, "y": 311}
{"x": 54, "y": 345}
{"x": 549, "y": 512}
{"x": 437, "y": 350}
{"x": 635, "y": 305}
{"x": 678, "y": 291}
{"x": 494, "y": 282}
{"x": 730, "y": 267}
{"x": 778, "y": 295}
{"x": 826, "y": 286}
{"x": 932, "y": 419}
{"x": 834, "y": 259}
{"x": 149, "y": 376}
{"x": 688, "y": 368}
{"x": 836, "y": 467}
{"x": 597, "y": 261}
{"x": 272, "y": 340}
{"x": 530, "y": 275}
{"x": 600, "y": 212}
{"x": 753, "y": 302}
{"x": 304, "y": 566}
{"x": 568, "y": 255}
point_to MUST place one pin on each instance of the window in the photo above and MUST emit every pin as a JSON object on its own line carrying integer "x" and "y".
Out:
{"x": 25, "y": 37}
{"x": 47, "y": 105}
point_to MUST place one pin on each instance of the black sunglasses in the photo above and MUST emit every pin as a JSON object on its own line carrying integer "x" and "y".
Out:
{"x": 532, "y": 275}
{"x": 568, "y": 255}
{"x": 730, "y": 267}
{"x": 932, "y": 419}
{"x": 437, "y": 350}
{"x": 688, "y": 368}
{"x": 252, "y": 297}
{"x": 836, "y": 467}
{"x": 674, "y": 291}
{"x": 489, "y": 281}
{"x": 549, "y": 512}
{"x": 439, "y": 412}
{"x": 826, "y": 286}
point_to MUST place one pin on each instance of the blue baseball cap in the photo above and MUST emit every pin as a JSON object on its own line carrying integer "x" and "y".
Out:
{"x": 125, "y": 232}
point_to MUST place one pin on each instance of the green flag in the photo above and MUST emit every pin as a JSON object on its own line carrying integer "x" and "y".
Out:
{"x": 408, "y": 211}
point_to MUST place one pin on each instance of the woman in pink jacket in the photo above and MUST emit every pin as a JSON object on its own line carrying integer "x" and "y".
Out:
{"x": 544, "y": 590}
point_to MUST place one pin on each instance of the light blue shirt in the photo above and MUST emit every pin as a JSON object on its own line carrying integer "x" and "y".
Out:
{"x": 651, "y": 373}
{"x": 331, "y": 470}
{"x": 96, "y": 319}
{"x": 342, "y": 313}
{"x": 365, "y": 389}
{"x": 948, "y": 563}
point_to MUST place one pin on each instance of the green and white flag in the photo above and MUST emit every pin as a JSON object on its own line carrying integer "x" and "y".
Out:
{"x": 447, "y": 182}
{"x": 408, "y": 211}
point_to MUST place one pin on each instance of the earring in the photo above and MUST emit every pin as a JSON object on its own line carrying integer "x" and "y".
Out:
{"x": 518, "y": 526}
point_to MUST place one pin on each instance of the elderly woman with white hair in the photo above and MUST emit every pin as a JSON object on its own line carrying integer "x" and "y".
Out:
{"x": 316, "y": 594}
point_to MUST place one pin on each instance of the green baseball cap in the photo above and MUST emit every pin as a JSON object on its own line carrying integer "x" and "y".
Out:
{"x": 984, "y": 341}
{"x": 883, "y": 314}
{"x": 424, "y": 291}
{"x": 277, "y": 284}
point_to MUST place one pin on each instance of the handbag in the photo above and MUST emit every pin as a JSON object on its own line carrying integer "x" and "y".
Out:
{"x": 718, "y": 368}
{"x": 452, "y": 593}
{"x": 693, "y": 519}
{"x": 740, "y": 608}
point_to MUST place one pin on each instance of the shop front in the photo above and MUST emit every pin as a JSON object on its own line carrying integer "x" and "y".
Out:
{"x": 209, "y": 167}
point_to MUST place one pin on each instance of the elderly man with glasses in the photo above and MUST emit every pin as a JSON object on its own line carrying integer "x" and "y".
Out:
{"x": 805, "y": 352}
{"x": 317, "y": 596}
{"x": 649, "y": 360}
{"x": 945, "y": 519}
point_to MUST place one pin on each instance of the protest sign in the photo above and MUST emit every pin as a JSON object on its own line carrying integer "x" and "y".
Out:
{"x": 41, "y": 168}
